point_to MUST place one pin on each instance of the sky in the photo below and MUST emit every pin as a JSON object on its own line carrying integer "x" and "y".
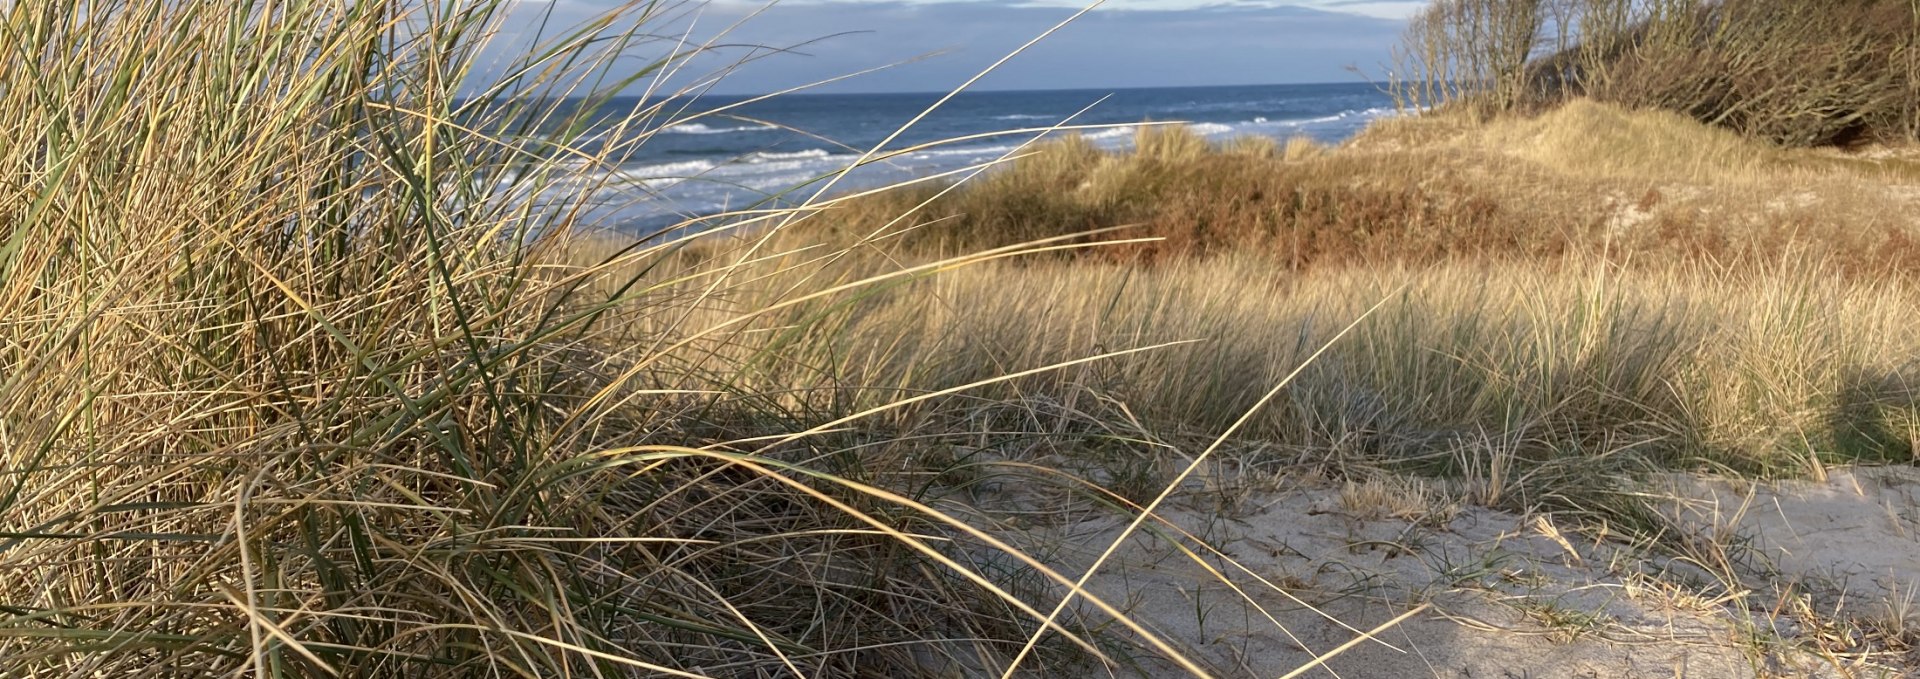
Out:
{"x": 934, "y": 45}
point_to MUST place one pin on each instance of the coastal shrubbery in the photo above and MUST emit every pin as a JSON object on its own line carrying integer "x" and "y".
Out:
{"x": 1586, "y": 178}
{"x": 1789, "y": 72}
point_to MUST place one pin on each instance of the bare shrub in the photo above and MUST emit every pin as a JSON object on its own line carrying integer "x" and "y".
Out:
{"x": 1470, "y": 50}
{"x": 1789, "y": 72}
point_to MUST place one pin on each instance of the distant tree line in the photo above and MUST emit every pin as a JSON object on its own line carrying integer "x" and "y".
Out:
{"x": 1794, "y": 72}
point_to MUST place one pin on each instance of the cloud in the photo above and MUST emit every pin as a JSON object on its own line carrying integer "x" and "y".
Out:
{"x": 1391, "y": 9}
{"x": 939, "y": 44}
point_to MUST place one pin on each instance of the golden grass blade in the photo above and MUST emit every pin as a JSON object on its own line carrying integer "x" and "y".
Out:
{"x": 1356, "y": 641}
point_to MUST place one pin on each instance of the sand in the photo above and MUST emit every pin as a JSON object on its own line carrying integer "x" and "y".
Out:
{"x": 1851, "y": 539}
{"x": 1507, "y": 595}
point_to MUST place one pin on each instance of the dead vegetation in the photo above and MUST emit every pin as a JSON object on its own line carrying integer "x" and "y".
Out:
{"x": 1642, "y": 187}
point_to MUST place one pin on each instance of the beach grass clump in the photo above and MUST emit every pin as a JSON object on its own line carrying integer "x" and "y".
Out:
{"x": 1302, "y": 148}
{"x": 300, "y": 375}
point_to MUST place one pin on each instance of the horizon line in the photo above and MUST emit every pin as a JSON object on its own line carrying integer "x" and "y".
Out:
{"x": 1018, "y": 90}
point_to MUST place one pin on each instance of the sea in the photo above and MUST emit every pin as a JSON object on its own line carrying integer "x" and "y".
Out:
{"x": 722, "y": 154}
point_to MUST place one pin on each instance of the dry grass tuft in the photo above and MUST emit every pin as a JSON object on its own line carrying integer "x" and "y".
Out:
{"x": 1511, "y": 378}
{"x": 1302, "y": 148}
{"x": 1397, "y": 497}
{"x": 299, "y": 376}
{"x": 1590, "y": 139}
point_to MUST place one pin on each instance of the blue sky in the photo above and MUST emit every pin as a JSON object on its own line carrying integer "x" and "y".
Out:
{"x": 1125, "y": 43}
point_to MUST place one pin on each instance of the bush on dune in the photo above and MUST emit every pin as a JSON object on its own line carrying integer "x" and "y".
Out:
{"x": 1788, "y": 72}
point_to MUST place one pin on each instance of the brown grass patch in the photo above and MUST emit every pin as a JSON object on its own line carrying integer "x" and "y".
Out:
{"x": 1637, "y": 187}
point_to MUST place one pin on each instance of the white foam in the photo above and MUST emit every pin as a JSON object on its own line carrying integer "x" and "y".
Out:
{"x": 669, "y": 170}
{"x": 1023, "y": 116}
{"x": 1322, "y": 120}
{"x": 701, "y": 128}
{"x": 1337, "y": 117}
{"x": 1302, "y": 121}
{"x": 970, "y": 151}
{"x": 1120, "y": 132}
{"x": 779, "y": 182}
{"x": 765, "y": 156}
{"x": 1211, "y": 129}
{"x": 652, "y": 176}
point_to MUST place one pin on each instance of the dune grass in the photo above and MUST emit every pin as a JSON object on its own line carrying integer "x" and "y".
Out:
{"x": 292, "y": 385}
{"x": 1577, "y": 304}
{"x": 311, "y": 367}
{"x": 1488, "y": 372}
{"x": 1563, "y": 385}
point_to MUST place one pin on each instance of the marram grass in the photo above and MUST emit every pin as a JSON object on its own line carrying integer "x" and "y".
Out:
{"x": 306, "y": 368}
{"x": 288, "y": 389}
